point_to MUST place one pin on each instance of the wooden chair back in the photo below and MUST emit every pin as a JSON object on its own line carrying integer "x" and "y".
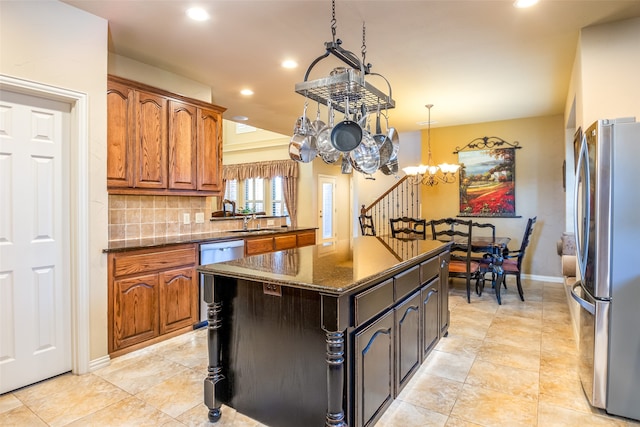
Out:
{"x": 408, "y": 228}
{"x": 366, "y": 225}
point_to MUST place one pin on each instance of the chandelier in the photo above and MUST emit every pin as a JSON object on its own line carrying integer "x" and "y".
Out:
{"x": 431, "y": 174}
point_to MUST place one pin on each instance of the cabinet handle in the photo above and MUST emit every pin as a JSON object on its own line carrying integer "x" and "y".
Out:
{"x": 444, "y": 263}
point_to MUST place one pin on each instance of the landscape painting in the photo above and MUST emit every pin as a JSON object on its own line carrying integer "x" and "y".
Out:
{"x": 487, "y": 182}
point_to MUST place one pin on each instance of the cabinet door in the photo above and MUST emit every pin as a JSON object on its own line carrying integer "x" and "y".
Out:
{"x": 150, "y": 141}
{"x": 374, "y": 370}
{"x": 182, "y": 146}
{"x": 430, "y": 307}
{"x": 258, "y": 246}
{"x": 408, "y": 355}
{"x": 135, "y": 308}
{"x": 444, "y": 293}
{"x": 178, "y": 299}
{"x": 120, "y": 110}
{"x": 209, "y": 148}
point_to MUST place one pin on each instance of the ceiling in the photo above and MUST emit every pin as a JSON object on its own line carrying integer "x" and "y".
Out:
{"x": 476, "y": 61}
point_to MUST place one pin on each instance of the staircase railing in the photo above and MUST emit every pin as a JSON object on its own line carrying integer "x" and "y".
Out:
{"x": 402, "y": 199}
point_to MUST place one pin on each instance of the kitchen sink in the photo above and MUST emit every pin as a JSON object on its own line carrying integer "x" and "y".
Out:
{"x": 256, "y": 230}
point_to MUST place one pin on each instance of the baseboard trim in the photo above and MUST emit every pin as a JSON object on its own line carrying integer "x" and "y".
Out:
{"x": 552, "y": 279}
{"x": 101, "y": 362}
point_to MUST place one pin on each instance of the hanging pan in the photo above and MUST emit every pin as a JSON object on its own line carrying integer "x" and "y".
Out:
{"x": 346, "y": 135}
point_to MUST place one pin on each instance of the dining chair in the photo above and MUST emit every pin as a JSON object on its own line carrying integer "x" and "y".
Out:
{"x": 459, "y": 232}
{"x": 408, "y": 228}
{"x": 512, "y": 264}
{"x": 366, "y": 225}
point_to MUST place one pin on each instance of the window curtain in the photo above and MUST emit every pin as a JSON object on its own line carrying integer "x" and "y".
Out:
{"x": 287, "y": 169}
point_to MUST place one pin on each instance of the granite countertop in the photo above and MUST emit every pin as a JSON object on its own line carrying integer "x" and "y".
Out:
{"x": 334, "y": 268}
{"x": 214, "y": 236}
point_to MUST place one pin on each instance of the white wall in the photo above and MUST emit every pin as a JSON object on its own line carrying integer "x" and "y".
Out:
{"x": 53, "y": 43}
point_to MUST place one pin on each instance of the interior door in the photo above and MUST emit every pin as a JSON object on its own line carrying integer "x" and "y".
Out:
{"x": 35, "y": 295}
{"x": 327, "y": 220}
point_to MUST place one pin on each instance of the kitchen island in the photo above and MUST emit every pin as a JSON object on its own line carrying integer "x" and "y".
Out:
{"x": 326, "y": 334}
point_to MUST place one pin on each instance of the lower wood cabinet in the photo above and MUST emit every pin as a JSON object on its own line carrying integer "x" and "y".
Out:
{"x": 264, "y": 244}
{"x": 153, "y": 295}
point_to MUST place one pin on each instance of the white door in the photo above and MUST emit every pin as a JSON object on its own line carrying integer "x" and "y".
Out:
{"x": 327, "y": 210}
{"x": 35, "y": 294}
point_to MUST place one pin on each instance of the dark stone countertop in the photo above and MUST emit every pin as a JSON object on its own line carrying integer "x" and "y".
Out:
{"x": 335, "y": 268}
{"x": 214, "y": 236}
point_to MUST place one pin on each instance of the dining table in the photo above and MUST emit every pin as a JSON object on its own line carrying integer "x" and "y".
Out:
{"x": 494, "y": 249}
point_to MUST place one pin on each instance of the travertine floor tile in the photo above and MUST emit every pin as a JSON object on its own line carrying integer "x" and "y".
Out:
{"x": 507, "y": 355}
{"x": 550, "y": 415}
{"x": 493, "y": 408}
{"x": 8, "y": 402}
{"x": 445, "y": 365}
{"x": 460, "y": 345}
{"x": 177, "y": 394}
{"x": 130, "y": 411}
{"x": 505, "y": 379}
{"x": 19, "y": 417}
{"x": 431, "y": 392}
{"x": 403, "y": 414}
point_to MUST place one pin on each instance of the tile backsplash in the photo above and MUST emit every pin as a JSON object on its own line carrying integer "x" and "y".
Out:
{"x": 136, "y": 217}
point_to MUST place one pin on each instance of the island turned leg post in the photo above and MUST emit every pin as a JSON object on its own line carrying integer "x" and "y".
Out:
{"x": 214, "y": 373}
{"x": 335, "y": 379}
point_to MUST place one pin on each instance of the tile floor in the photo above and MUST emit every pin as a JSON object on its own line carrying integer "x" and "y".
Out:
{"x": 510, "y": 365}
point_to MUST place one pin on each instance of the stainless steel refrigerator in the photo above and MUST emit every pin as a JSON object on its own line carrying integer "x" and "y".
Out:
{"x": 607, "y": 222}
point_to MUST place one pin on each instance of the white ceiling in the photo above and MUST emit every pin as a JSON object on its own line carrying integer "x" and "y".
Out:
{"x": 476, "y": 61}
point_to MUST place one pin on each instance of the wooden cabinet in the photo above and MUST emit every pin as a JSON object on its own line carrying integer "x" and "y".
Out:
{"x": 408, "y": 331}
{"x": 397, "y": 323}
{"x": 153, "y": 295}
{"x": 444, "y": 314}
{"x": 161, "y": 143}
{"x": 264, "y": 244}
{"x": 430, "y": 313}
{"x": 374, "y": 370}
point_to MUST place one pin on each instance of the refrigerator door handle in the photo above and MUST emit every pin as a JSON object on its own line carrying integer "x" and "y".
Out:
{"x": 591, "y": 308}
{"x": 582, "y": 246}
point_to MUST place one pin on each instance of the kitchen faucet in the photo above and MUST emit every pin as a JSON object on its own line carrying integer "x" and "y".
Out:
{"x": 246, "y": 219}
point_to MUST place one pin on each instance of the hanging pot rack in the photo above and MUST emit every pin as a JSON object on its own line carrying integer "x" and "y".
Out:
{"x": 352, "y": 84}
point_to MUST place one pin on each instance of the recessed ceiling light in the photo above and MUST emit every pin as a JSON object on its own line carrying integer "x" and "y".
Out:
{"x": 289, "y": 63}
{"x": 524, "y": 3}
{"x": 246, "y": 92}
{"x": 197, "y": 14}
{"x": 239, "y": 118}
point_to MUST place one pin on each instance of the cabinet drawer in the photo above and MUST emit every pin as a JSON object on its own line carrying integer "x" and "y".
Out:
{"x": 429, "y": 269}
{"x": 258, "y": 246}
{"x": 287, "y": 241}
{"x": 407, "y": 282}
{"x": 307, "y": 238}
{"x": 373, "y": 301}
{"x": 153, "y": 260}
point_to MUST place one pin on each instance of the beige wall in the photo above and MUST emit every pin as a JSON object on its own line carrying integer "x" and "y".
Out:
{"x": 610, "y": 66}
{"x": 538, "y": 183}
{"x": 55, "y": 44}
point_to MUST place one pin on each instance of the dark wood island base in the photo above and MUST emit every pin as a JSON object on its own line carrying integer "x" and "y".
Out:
{"x": 306, "y": 337}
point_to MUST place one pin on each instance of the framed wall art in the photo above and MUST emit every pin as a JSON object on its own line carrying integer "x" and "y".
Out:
{"x": 488, "y": 178}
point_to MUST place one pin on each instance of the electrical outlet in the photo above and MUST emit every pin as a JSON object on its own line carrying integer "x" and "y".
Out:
{"x": 270, "y": 222}
{"x": 186, "y": 218}
{"x": 199, "y": 217}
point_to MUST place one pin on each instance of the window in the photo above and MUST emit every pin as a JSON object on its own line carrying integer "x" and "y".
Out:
{"x": 258, "y": 194}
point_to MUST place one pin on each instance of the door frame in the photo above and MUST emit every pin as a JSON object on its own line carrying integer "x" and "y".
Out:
{"x": 324, "y": 178}
{"x": 78, "y": 208}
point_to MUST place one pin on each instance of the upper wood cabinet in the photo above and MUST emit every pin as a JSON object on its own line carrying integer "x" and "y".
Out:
{"x": 161, "y": 143}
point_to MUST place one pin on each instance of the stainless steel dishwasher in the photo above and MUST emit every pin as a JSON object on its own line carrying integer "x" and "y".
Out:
{"x": 211, "y": 253}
